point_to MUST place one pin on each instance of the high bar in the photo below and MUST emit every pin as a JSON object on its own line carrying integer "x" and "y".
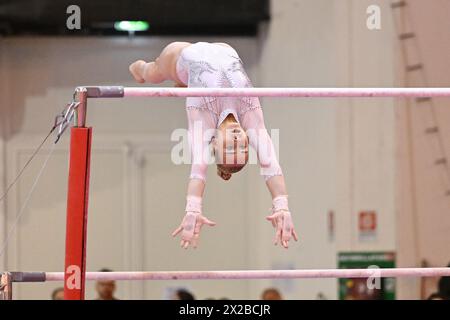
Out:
{"x": 120, "y": 92}
{"x": 243, "y": 274}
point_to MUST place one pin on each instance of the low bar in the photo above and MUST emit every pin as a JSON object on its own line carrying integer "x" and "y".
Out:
{"x": 286, "y": 92}
{"x": 259, "y": 274}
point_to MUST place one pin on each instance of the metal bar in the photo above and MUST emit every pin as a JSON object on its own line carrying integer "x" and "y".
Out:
{"x": 398, "y": 4}
{"x": 104, "y": 91}
{"x": 81, "y": 110}
{"x": 423, "y": 99}
{"x": 260, "y": 274}
{"x": 287, "y": 92}
{"x": 406, "y": 36}
{"x": 414, "y": 67}
{"x": 440, "y": 161}
{"x": 432, "y": 130}
{"x": 27, "y": 276}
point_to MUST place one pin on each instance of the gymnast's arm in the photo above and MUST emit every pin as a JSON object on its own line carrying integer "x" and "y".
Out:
{"x": 261, "y": 142}
{"x": 162, "y": 69}
{"x": 259, "y": 139}
{"x": 201, "y": 126}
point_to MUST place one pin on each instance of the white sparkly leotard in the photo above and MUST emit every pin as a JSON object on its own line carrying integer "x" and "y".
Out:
{"x": 218, "y": 66}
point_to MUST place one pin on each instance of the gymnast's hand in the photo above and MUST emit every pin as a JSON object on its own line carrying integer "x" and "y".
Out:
{"x": 192, "y": 223}
{"x": 282, "y": 221}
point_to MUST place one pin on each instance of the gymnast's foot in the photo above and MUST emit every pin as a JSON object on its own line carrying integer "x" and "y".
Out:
{"x": 136, "y": 69}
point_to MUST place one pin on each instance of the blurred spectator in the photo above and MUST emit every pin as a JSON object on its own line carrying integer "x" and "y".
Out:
{"x": 58, "y": 294}
{"x": 435, "y": 296}
{"x": 182, "y": 294}
{"x": 106, "y": 288}
{"x": 444, "y": 286}
{"x": 443, "y": 292}
{"x": 321, "y": 296}
{"x": 271, "y": 294}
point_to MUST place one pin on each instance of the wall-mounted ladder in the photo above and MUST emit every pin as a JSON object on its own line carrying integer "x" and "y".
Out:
{"x": 415, "y": 76}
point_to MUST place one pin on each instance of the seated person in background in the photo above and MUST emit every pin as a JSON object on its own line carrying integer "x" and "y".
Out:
{"x": 183, "y": 294}
{"x": 271, "y": 294}
{"x": 435, "y": 296}
{"x": 443, "y": 292}
{"x": 105, "y": 288}
{"x": 58, "y": 294}
{"x": 444, "y": 286}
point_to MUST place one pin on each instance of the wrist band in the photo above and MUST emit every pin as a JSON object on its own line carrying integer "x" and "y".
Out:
{"x": 280, "y": 203}
{"x": 193, "y": 204}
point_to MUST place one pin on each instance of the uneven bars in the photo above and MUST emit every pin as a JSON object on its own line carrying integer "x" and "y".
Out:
{"x": 240, "y": 274}
{"x": 120, "y": 91}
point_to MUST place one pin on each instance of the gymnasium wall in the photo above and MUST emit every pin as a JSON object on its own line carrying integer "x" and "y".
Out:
{"x": 337, "y": 155}
{"x": 423, "y": 206}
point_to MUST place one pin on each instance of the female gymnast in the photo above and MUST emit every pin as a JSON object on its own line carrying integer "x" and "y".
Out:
{"x": 227, "y": 124}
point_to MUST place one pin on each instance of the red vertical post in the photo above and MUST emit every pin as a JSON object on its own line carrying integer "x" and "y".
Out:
{"x": 77, "y": 203}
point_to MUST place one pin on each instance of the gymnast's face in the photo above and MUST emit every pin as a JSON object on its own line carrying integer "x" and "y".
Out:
{"x": 230, "y": 148}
